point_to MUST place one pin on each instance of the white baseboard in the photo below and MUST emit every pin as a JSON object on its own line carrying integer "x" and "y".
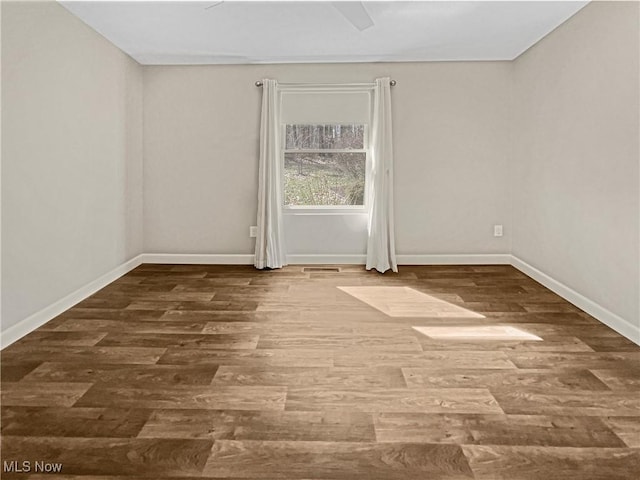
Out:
{"x": 619, "y": 324}
{"x": 472, "y": 259}
{"x": 195, "y": 259}
{"x": 340, "y": 259}
{"x": 326, "y": 259}
{"x": 20, "y": 329}
{"x": 462, "y": 259}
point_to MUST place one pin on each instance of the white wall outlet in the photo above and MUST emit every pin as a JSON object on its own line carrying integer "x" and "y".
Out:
{"x": 253, "y": 231}
{"x": 497, "y": 230}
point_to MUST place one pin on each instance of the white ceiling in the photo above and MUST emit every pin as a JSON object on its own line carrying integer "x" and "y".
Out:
{"x": 213, "y": 32}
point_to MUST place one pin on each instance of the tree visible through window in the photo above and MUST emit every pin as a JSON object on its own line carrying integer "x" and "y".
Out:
{"x": 325, "y": 165}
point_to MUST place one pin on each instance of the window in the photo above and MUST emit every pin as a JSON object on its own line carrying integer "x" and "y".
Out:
{"x": 325, "y": 165}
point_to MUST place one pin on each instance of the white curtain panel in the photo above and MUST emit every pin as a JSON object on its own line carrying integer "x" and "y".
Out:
{"x": 270, "y": 250}
{"x": 381, "y": 253}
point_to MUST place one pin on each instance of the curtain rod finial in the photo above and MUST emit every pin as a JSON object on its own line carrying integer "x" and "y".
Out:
{"x": 259, "y": 83}
{"x": 392, "y": 83}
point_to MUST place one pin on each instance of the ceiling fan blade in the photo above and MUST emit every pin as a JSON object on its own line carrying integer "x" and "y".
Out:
{"x": 355, "y": 13}
{"x": 214, "y": 5}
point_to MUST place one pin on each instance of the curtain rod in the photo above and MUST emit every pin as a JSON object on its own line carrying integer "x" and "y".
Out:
{"x": 259, "y": 84}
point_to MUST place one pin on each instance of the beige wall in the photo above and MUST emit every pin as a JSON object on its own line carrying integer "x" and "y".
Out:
{"x": 575, "y": 167}
{"x": 71, "y": 157}
{"x": 451, "y": 143}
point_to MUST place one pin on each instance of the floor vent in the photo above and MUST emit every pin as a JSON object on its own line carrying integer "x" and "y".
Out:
{"x": 321, "y": 269}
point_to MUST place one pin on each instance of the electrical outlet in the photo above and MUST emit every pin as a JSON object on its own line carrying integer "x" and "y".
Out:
{"x": 497, "y": 230}
{"x": 253, "y": 231}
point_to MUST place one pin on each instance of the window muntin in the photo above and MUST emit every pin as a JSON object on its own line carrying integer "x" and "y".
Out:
{"x": 325, "y": 166}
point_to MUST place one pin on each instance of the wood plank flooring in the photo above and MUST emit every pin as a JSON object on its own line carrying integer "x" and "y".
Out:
{"x": 212, "y": 372}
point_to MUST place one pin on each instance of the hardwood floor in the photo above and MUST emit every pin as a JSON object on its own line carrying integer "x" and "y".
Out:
{"x": 201, "y": 371}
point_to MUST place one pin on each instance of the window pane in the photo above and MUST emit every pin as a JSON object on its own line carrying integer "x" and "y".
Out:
{"x": 314, "y": 137}
{"x": 324, "y": 178}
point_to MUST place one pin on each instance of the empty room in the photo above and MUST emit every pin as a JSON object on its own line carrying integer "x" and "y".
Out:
{"x": 374, "y": 240}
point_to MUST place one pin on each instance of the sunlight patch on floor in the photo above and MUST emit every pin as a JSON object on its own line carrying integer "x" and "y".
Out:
{"x": 407, "y": 302}
{"x": 479, "y": 332}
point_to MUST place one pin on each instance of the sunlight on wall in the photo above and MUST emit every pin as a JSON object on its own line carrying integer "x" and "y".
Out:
{"x": 479, "y": 332}
{"x": 407, "y": 302}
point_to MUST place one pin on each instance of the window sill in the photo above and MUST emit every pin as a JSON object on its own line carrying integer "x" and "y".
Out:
{"x": 324, "y": 211}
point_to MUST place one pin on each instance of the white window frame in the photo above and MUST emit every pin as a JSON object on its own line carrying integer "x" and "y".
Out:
{"x": 329, "y": 209}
